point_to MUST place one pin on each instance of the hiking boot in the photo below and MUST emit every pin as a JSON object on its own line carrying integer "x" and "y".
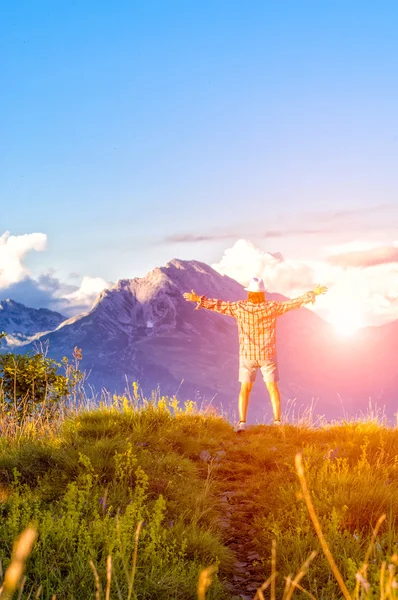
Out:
{"x": 241, "y": 426}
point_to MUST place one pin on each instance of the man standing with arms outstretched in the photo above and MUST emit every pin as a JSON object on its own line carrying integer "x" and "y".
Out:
{"x": 256, "y": 318}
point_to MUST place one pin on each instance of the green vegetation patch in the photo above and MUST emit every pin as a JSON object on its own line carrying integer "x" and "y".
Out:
{"x": 109, "y": 476}
{"x": 180, "y": 491}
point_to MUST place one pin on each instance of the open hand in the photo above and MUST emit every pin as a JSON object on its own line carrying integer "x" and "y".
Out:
{"x": 320, "y": 289}
{"x": 191, "y": 296}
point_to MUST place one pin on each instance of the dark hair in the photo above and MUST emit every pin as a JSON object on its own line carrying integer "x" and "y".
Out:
{"x": 256, "y": 297}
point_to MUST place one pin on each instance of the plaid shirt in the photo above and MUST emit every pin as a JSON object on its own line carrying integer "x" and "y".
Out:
{"x": 256, "y": 322}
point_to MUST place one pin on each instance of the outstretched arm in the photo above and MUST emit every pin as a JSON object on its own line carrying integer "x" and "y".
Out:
{"x": 219, "y": 306}
{"x": 283, "y": 307}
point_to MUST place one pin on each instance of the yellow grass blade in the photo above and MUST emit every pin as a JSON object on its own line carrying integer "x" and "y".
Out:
{"x": 365, "y": 565}
{"x": 318, "y": 529}
{"x": 264, "y": 586}
{"x": 205, "y": 579}
{"x": 97, "y": 581}
{"x": 22, "y": 548}
{"x": 302, "y": 571}
{"x": 108, "y": 577}
{"x": 306, "y": 592}
{"x": 273, "y": 570}
{"x": 288, "y": 583}
{"x": 361, "y": 576}
{"x": 390, "y": 581}
{"x": 382, "y": 579}
{"x": 135, "y": 554}
{"x": 21, "y": 587}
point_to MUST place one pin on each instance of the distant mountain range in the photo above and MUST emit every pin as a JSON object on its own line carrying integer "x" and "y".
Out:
{"x": 21, "y": 322}
{"x": 143, "y": 330}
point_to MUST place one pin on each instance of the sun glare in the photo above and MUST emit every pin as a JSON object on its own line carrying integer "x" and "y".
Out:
{"x": 346, "y": 323}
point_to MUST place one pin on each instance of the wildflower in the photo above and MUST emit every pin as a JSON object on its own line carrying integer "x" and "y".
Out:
{"x": 364, "y": 583}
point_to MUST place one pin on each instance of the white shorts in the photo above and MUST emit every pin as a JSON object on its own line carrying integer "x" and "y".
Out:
{"x": 248, "y": 370}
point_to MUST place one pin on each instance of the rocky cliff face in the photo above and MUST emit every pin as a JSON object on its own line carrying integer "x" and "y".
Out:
{"x": 143, "y": 330}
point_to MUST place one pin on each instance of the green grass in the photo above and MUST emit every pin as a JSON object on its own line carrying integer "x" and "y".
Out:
{"x": 352, "y": 474}
{"x": 204, "y": 497}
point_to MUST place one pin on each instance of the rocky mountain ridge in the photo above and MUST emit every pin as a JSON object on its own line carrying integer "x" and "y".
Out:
{"x": 21, "y": 322}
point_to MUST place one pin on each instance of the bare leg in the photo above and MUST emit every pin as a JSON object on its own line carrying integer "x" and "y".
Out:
{"x": 275, "y": 396}
{"x": 243, "y": 401}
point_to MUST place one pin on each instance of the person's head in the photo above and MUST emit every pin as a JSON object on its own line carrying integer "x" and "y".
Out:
{"x": 256, "y": 297}
{"x": 256, "y": 291}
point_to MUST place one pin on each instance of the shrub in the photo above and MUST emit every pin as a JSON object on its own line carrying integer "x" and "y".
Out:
{"x": 32, "y": 382}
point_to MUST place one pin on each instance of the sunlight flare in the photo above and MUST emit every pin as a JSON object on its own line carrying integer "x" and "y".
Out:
{"x": 346, "y": 322}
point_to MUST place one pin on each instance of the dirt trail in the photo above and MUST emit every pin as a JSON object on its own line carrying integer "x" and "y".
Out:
{"x": 238, "y": 510}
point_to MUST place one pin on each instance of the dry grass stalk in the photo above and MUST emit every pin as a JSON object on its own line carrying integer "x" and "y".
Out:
{"x": 108, "y": 577}
{"x": 263, "y": 587}
{"x": 365, "y": 565}
{"x": 361, "y": 576}
{"x": 382, "y": 579}
{"x": 390, "y": 581}
{"x": 288, "y": 583}
{"x": 302, "y": 571}
{"x": 318, "y": 529}
{"x": 97, "y": 581}
{"x": 273, "y": 570}
{"x": 22, "y": 549}
{"x": 134, "y": 565}
{"x": 361, "y": 582}
{"x": 205, "y": 579}
{"x": 21, "y": 587}
{"x": 306, "y": 592}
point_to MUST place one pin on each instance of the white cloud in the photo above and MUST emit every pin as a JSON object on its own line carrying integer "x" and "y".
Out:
{"x": 68, "y": 299}
{"x": 13, "y": 249}
{"x": 245, "y": 261}
{"x": 47, "y": 291}
{"x": 371, "y": 293}
{"x": 354, "y": 246}
{"x": 84, "y": 296}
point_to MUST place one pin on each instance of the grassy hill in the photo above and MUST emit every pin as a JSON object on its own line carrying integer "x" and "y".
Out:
{"x": 136, "y": 501}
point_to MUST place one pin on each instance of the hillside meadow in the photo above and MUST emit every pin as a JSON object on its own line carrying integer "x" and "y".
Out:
{"x": 146, "y": 499}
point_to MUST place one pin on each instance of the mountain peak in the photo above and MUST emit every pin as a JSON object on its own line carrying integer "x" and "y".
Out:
{"x": 178, "y": 263}
{"x": 188, "y": 265}
{"x": 8, "y": 303}
{"x": 179, "y": 275}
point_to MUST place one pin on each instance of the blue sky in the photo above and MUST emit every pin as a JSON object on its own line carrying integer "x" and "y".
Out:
{"x": 129, "y": 129}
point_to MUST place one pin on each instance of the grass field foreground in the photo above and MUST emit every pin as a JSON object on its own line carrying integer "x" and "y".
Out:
{"x": 174, "y": 492}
